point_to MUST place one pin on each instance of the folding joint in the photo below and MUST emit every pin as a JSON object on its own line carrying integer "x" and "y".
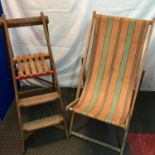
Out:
{"x": 69, "y": 107}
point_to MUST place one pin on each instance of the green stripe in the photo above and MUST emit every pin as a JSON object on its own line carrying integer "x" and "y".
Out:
{"x": 133, "y": 70}
{"x": 100, "y": 73}
{"x": 90, "y": 69}
{"x": 122, "y": 68}
{"x": 111, "y": 68}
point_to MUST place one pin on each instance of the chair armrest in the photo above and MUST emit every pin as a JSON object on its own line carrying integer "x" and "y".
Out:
{"x": 73, "y": 103}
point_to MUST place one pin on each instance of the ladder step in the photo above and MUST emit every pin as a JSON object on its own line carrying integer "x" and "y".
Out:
{"x": 39, "y": 99}
{"x": 42, "y": 123}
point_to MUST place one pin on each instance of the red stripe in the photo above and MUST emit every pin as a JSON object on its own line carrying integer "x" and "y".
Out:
{"x": 34, "y": 75}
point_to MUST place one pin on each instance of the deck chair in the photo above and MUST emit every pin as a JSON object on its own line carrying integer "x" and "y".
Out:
{"x": 34, "y": 66}
{"x": 114, "y": 50}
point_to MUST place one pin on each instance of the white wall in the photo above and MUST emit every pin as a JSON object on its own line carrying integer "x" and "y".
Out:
{"x": 69, "y": 20}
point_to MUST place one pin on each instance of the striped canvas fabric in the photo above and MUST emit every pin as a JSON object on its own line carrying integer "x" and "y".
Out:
{"x": 115, "y": 58}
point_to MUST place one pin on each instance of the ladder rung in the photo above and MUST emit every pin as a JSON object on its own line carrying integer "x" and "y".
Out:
{"x": 39, "y": 99}
{"x": 42, "y": 123}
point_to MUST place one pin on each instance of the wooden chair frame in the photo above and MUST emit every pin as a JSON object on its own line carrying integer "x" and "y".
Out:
{"x": 32, "y": 21}
{"x": 81, "y": 81}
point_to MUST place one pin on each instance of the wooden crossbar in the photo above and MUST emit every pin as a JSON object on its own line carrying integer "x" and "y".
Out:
{"x": 45, "y": 55}
{"x": 20, "y": 22}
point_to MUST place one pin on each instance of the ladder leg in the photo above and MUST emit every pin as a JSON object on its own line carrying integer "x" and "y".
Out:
{"x": 64, "y": 116}
{"x": 20, "y": 127}
{"x": 53, "y": 81}
{"x": 65, "y": 128}
{"x": 53, "y": 67}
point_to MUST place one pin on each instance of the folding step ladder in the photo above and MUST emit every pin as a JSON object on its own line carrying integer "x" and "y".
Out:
{"x": 34, "y": 66}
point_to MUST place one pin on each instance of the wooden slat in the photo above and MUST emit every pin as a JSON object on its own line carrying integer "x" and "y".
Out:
{"x": 34, "y": 90}
{"x": 20, "y": 70}
{"x": 42, "y": 123}
{"x": 38, "y": 64}
{"x": 46, "y": 56}
{"x": 26, "y": 67}
{"x": 44, "y": 63}
{"x": 20, "y": 22}
{"x": 32, "y": 65}
{"x": 39, "y": 99}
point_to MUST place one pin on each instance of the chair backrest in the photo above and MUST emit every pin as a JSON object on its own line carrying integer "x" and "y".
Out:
{"x": 115, "y": 57}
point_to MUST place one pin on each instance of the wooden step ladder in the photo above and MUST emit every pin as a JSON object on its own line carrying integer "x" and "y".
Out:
{"x": 34, "y": 66}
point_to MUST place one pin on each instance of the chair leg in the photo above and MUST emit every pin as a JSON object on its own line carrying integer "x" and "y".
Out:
{"x": 120, "y": 150}
{"x": 124, "y": 141}
{"x": 71, "y": 123}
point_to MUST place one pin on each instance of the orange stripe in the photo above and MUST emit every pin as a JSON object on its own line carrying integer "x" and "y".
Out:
{"x": 107, "y": 71}
{"x": 125, "y": 114}
{"x": 91, "y": 62}
{"x": 110, "y": 93}
{"x": 96, "y": 66}
{"x": 128, "y": 72}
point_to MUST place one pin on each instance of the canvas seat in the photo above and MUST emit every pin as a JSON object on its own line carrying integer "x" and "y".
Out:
{"x": 113, "y": 75}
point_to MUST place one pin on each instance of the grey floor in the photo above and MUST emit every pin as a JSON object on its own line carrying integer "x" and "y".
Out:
{"x": 51, "y": 141}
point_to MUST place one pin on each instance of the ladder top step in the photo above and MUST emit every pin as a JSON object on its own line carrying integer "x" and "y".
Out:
{"x": 42, "y": 123}
{"x": 39, "y": 99}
